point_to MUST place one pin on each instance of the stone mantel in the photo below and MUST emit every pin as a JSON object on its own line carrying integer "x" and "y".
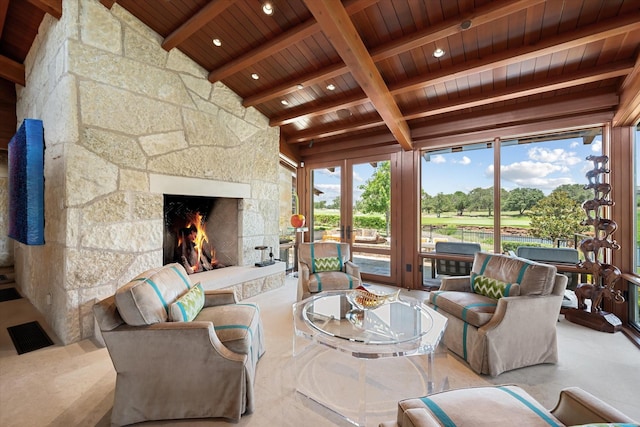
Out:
{"x": 180, "y": 185}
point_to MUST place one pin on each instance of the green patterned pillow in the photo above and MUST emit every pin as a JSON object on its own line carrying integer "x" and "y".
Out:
{"x": 187, "y": 307}
{"x": 327, "y": 264}
{"x": 491, "y": 288}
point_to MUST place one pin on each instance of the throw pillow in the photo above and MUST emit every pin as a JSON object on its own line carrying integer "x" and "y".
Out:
{"x": 489, "y": 287}
{"x": 327, "y": 264}
{"x": 187, "y": 307}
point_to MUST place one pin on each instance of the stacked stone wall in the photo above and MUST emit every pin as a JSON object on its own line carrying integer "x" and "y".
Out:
{"x": 116, "y": 108}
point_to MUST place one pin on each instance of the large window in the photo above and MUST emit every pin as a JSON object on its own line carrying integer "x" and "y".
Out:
{"x": 542, "y": 181}
{"x": 457, "y": 196}
{"x": 634, "y": 295}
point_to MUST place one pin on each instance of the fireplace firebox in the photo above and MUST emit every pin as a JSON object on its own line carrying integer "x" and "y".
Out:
{"x": 201, "y": 233}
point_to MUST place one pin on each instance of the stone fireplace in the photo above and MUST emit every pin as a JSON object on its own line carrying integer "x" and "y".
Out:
{"x": 126, "y": 123}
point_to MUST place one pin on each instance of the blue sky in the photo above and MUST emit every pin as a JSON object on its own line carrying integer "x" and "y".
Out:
{"x": 542, "y": 165}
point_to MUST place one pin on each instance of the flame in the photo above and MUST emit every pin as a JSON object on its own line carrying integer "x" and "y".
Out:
{"x": 195, "y": 219}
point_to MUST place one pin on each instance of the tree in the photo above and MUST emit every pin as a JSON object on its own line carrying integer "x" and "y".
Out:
{"x": 376, "y": 195}
{"x": 460, "y": 202}
{"x": 576, "y": 192}
{"x": 521, "y": 199}
{"x": 335, "y": 204}
{"x": 440, "y": 204}
{"x": 481, "y": 198}
{"x": 557, "y": 217}
{"x": 426, "y": 202}
{"x": 320, "y": 204}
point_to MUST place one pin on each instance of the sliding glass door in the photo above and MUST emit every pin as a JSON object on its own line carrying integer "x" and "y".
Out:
{"x": 351, "y": 202}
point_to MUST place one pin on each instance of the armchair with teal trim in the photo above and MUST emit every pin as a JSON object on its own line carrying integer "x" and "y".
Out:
{"x": 325, "y": 266}
{"x": 503, "y": 316}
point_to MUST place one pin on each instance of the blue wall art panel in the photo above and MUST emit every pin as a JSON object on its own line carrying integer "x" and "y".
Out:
{"x": 26, "y": 183}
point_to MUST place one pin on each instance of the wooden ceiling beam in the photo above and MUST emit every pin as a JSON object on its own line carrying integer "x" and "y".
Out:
{"x": 344, "y": 37}
{"x": 334, "y": 130}
{"x": 628, "y": 113}
{"x": 196, "y": 22}
{"x": 574, "y": 103}
{"x": 284, "y": 40}
{"x": 578, "y": 78}
{"x": 538, "y": 110}
{"x": 12, "y": 70}
{"x": 313, "y": 111}
{"x": 4, "y": 6}
{"x": 482, "y": 15}
{"x": 564, "y": 81}
{"x": 52, "y": 7}
{"x": 588, "y": 34}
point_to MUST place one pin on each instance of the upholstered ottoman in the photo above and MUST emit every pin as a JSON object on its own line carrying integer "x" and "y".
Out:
{"x": 508, "y": 405}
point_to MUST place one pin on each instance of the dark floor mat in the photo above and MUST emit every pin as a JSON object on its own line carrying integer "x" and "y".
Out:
{"x": 9, "y": 294}
{"x": 29, "y": 337}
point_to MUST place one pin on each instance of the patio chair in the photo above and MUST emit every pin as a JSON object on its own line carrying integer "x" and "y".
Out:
{"x": 443, "y": 267}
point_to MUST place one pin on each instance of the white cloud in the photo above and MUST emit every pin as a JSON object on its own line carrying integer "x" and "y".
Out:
{"x": 574, "y": 144}
{"x": 330, "y": 191}
{"x": 557, "y": 155}
{"x": 438, "y": 158}
{"x": 596, "y": 146}
{"x": 533, "y": 174}
{"x": 463, "y": 161}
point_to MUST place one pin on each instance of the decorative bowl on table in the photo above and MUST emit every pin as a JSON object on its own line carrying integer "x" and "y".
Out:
{"x": 365, "y": 298}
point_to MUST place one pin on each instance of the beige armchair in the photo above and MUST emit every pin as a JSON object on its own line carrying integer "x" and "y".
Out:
{"x": 324, "y": 266}
{"x": 174, "y": 359}
{"x": 509, "y": 405}
{"x": 504, "y": 315}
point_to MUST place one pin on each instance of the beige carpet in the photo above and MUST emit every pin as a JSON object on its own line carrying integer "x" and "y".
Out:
{"x": 73, "y": 385}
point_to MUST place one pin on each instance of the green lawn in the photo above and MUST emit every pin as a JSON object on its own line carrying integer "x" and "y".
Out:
{"x": 477, "y": 219}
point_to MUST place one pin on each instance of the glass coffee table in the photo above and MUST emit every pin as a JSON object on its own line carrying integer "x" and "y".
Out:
{"x": 357, "y": 362}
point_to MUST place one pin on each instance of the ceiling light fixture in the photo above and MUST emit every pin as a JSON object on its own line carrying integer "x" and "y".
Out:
{"x": 331, "y": 86}
{"x": 300, "y": 86}
{"x": 217, "y": 42}
{"x": 267, "y": 8}
{"x": 284, "y": 102}
{"x": 465, "y": 25}
{"x": 255, "y": 76}
{"x": 438, "y": 53}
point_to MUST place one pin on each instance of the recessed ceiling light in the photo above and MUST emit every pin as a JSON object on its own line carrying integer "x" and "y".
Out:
{"x": 466, "y": 24}
{"x": 438, "y": 53}
{"x": 300, "y": 86}
{"x": 343, "y": 113}
{"x": 255, "y": 76}
{"x": 217, "y": 42}
{"x": 267, "y": 8}
{"x": 284, "y": 102}
{"x": 331, "y": 86}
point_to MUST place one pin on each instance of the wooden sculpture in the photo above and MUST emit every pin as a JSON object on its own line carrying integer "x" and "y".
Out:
{"x": 604, "y": 276}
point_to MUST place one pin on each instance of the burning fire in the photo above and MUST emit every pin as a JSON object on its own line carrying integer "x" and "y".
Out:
{"x": 205, "y": 255}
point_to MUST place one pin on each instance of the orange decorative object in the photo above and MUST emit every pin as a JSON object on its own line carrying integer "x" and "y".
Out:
{"x": 297, "y": 220}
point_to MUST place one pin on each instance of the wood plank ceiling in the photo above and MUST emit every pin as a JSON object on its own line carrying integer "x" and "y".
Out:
{"x": 357, "y": 72}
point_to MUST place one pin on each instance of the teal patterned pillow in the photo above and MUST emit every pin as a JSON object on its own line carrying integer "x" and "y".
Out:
{"x": 327, "y": 264}
{"x": 187, "y": 307}
{"x": 489, "y": 287}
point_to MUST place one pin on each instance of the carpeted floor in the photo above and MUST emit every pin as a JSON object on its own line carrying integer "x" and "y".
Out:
{"x": 73, "y": 385}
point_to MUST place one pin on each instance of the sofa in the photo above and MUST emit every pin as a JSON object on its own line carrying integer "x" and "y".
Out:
{"x": 503, "y": 316}
{"x": 325, "y": 266}
{"x": 507, "y": 405}
{"x": 179, "y": 351}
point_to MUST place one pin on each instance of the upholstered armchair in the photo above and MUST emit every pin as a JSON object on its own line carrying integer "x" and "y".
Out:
{"x": 503, "y": 316}
{"x": 498, "y": 406}
{"x": 324, "y": 266}
{"x": 178, "y": 351}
